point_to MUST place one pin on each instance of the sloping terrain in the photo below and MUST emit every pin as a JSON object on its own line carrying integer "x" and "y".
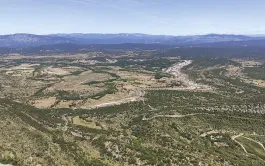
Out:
{"x": 168, "y": 126}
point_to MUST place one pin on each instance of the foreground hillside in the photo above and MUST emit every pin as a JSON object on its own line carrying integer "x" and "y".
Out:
{"x": 131, "y": 110}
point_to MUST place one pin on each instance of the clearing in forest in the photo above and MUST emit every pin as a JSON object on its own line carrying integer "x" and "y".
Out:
{"x": 252, "y": 146}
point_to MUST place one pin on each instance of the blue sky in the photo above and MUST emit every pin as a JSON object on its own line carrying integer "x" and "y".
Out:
{"x": 171, "y": 17}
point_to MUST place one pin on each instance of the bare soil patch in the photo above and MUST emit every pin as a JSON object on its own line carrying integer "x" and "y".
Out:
{"x": 44, "y": 103}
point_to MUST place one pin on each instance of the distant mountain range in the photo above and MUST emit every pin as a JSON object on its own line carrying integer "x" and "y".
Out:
{"x": 31, "y": 40}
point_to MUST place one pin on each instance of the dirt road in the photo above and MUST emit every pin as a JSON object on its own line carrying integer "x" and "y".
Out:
{"x": 107, "y": 104}
{"x": 172, "y": 116}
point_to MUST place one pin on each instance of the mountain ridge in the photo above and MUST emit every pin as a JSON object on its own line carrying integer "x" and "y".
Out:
{"x": 22, "y": 40}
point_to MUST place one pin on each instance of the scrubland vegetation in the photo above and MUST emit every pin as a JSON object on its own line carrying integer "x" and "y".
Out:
{"x": 164, "y": 125}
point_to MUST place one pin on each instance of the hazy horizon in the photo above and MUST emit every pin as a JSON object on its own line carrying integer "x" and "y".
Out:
{"x": 156, "y": 17}
{"x": 21, "y": 33}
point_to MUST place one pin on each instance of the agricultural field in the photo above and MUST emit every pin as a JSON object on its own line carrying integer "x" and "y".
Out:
{"x": 131, "y": 110}
{"x": 252, "y": 146}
